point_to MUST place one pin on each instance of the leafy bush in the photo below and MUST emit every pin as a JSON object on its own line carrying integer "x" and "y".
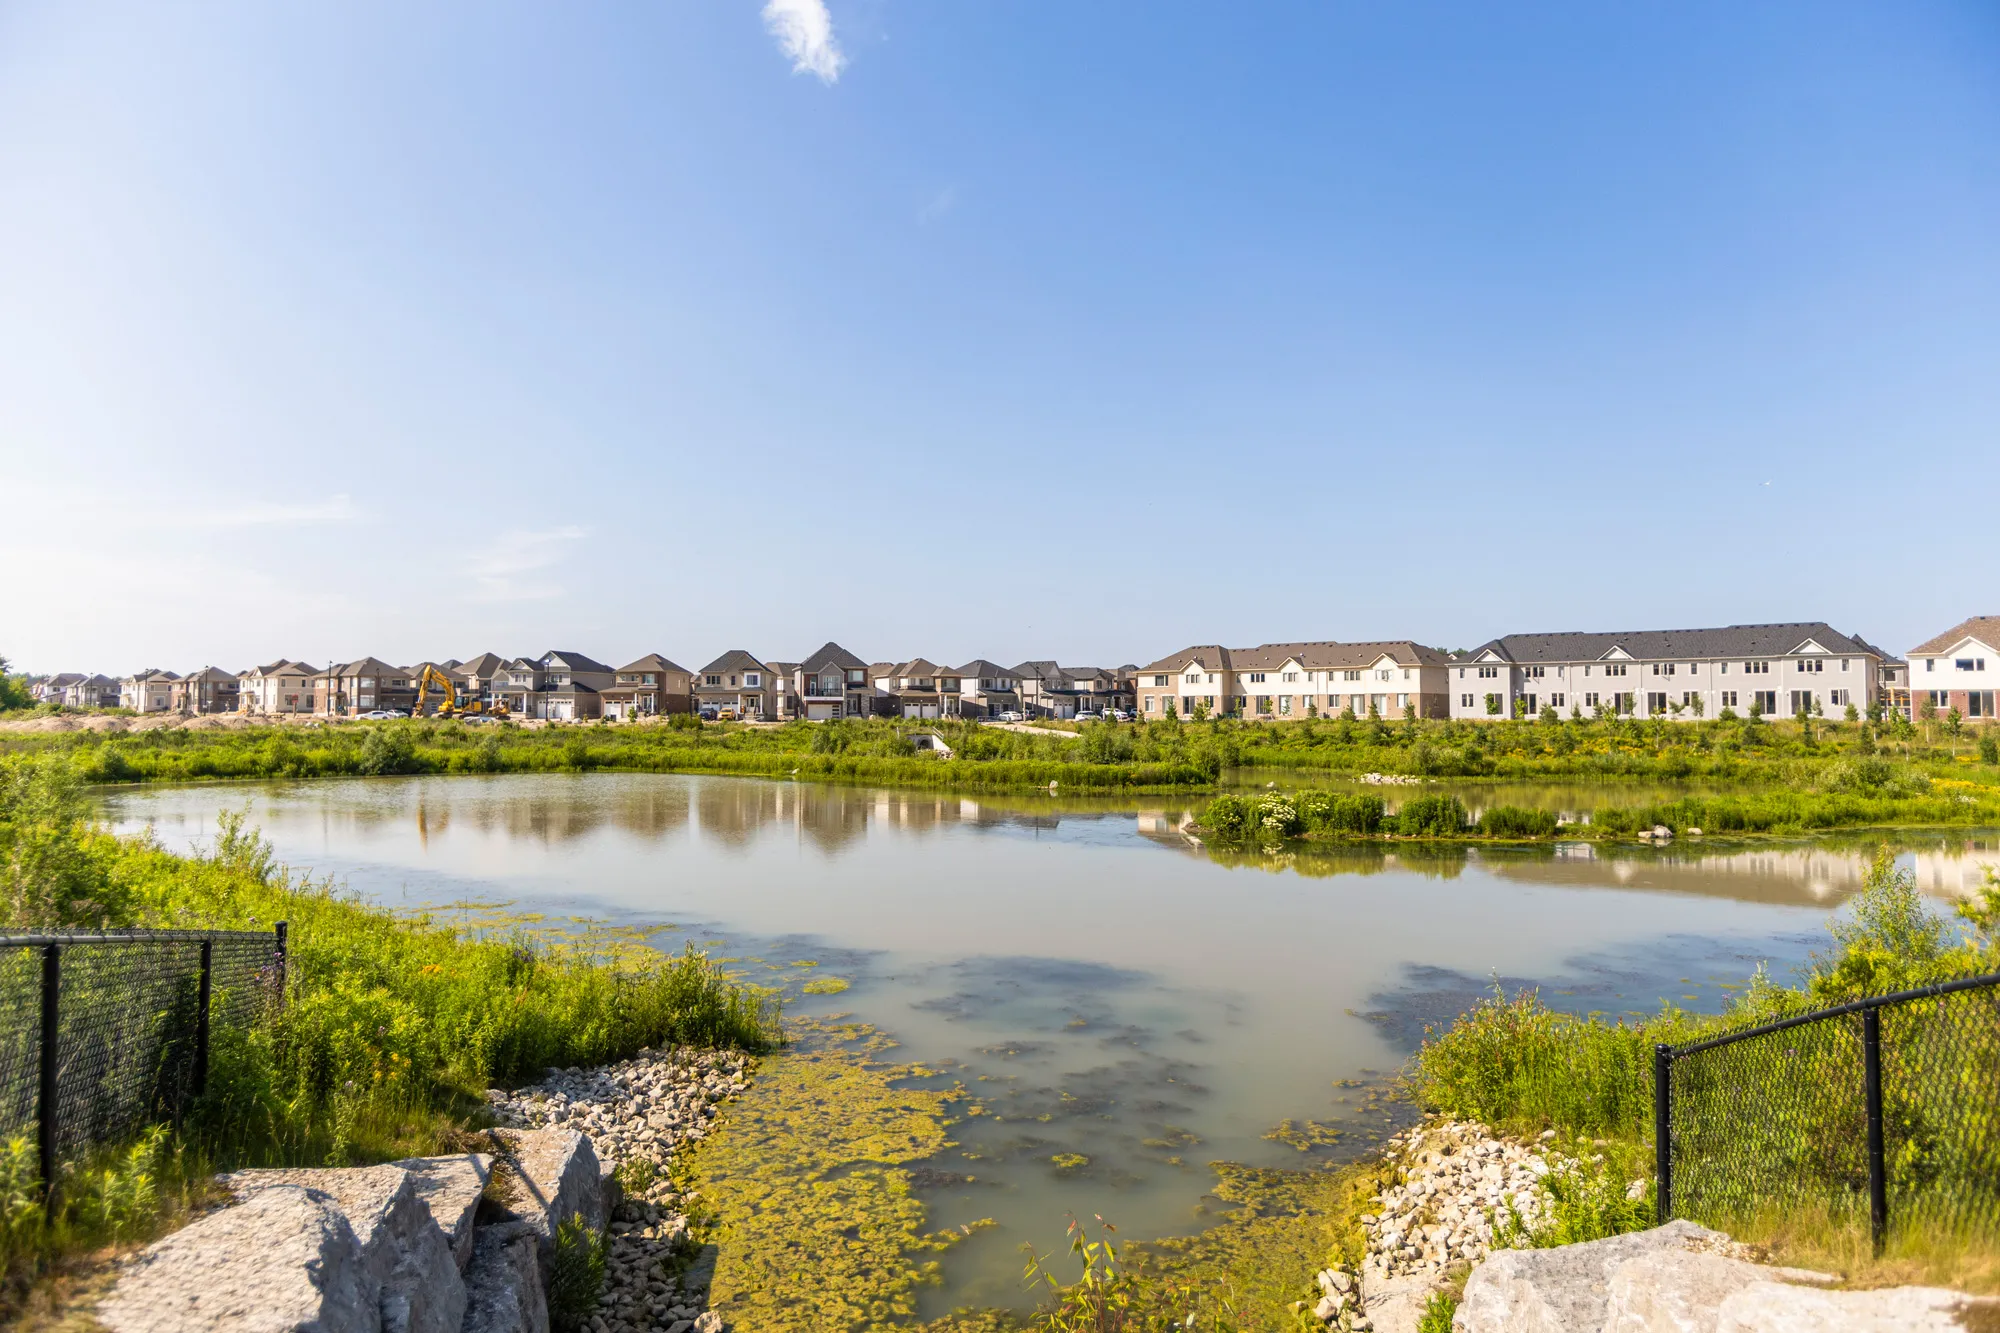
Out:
{"x": 576, "y": 1275}
{"x": 1431, "y": 816}
{"x": 1507, "y": 821}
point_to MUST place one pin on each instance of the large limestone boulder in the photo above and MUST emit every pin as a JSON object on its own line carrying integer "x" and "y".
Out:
{"x": 406, "y": 1262}
{"x": 1774, "y": 1307}
{"x": 450, "y": 1187}
{"x": 553, "y": 1176}
{"x": 503, "y": 1283}
{"x": 1679, "y": 1290}
{"x": 285, "y": 1261}
{"x": 1568, "y": 1289}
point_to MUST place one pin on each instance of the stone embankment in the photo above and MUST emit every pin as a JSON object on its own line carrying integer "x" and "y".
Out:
{"x": 458, "y": 1244}
{"x": 1459, "y": 1190}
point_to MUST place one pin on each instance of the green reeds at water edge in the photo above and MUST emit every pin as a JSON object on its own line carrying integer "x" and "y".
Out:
{"x": 391, "y": 1029}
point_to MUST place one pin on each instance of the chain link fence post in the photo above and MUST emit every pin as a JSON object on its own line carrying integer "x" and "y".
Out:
{"x": 45, "y": 1114}
{"x": 201, "y": 1017}
{"x": 1878, "y": 1174}
{"x": 284, "y": 959}
{"x": 1663, "y": 1131}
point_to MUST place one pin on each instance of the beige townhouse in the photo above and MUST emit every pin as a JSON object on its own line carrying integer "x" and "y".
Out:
{"x": 150, "y": 691}
{"x": 1289, "y": 681}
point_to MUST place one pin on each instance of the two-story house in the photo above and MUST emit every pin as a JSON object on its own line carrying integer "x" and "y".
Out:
{"x": 915, "y": 689}
{"x": 829, "y": 683}
{"x": 276, "y": 688}
{"x": 1196, "y": 681}
{"x": 1782, "y": 670}
{"x": 366, "y": 685}
{"x": 91, "y": 692}
{"x": 1048, "y": 689}
{"x": 150, "y": 691}
{"x": 571, "y": 685}
{"x": 475, "y": 678}
{"x": 50, "y": 689}
{"x": 653, "y": 686}
{"x": 736, "y": 682}
{"x": 987, "y": 688}
{"x": 1959, "y": 669}
{"x": 209, "y": 690}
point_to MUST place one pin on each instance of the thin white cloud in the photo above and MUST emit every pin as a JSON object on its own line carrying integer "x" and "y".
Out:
{"x": 260, "y": 513}
{"x": 941, "y": 203}
{"x": 805, "y": 34}
{"x": 504, "y": 571}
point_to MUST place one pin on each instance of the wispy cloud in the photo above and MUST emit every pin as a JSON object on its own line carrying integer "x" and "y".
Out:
{"x": 506, "y": 571}
{"x": 805, "y": 34}
{"x": 262, "y": 513}
{"x": 941, "y": 203}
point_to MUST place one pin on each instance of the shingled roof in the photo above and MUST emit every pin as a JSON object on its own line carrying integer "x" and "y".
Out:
{"x": 1986, "y": 629}
{"x": 1777, "y": 640}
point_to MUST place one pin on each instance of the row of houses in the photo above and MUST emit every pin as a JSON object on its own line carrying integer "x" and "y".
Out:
{"x": 1779, "y": 670}
{"x": 566, "y": 686}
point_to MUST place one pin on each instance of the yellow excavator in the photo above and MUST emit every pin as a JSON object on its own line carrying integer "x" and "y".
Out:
{"x": 455, "y": 704}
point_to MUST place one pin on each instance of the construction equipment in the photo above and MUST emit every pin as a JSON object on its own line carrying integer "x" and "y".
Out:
{"x": 428, "y": 677}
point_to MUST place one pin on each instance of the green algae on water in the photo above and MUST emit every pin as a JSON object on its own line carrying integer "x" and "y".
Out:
{"x": 815, "y": 1226}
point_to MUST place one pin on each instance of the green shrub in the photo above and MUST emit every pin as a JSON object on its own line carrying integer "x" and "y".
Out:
{"x": 1507, "y": 821}
{"x": 576, "y": 1275}
{"x": 1431, "y": 816}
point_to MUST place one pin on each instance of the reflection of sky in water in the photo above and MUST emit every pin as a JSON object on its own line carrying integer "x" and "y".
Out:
{"x": 1100, "y": 987}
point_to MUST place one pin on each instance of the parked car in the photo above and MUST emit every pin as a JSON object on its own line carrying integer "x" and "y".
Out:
{"x": 1085, "y": 715}
{"x": 1009, "y": 715}
{"x": 727, "y": 715}
{"x": 382, "y": 715}
{"x": 1122, "y": 714}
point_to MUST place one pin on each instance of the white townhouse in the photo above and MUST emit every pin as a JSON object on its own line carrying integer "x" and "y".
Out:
{"x": 276, "y": 688}
{"x": 1280, "y": 681}
{"x": 1678, "y": 673}
{"x": 1959, "y": 669}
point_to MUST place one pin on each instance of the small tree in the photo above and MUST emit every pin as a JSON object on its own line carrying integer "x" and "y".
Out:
{"x": 13, "y": 690}
{"x": 1953, "y": 722}
{"x": 1852, "y": 714}
{"x": 1989, "y": 745}
{"x": 1549, "y": 716}
{"x": 1697, "y": 701}
{"x": 1168, "y": 711}
{"x": 1493, "y": 705}
{"x": 1575, "y": 712}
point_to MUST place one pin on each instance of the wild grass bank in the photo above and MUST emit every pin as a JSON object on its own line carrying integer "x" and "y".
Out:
{"x": 392, "y": 1028}
{"x": 1860, "y": 758}
{"x": 1867, "y": 793}
{"x": 1518, "y": 1065}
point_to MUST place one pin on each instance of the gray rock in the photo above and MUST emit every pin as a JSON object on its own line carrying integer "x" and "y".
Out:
{"x": 285, "y": 1261}
{"x": 406, "y": 1262}
{"x": 1395, "y": 1304}
{"x": 1774, "y": 1307}
{"x": 1681, "y": 1291}
{"x": 556, "y": 1176}
{"x": 503, "y": 1283}
{"x": 451, "y": 1187}
{"x": 1562, "y": 1290}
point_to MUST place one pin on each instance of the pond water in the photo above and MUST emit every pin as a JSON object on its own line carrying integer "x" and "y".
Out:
{"x": 1108, "y": 990}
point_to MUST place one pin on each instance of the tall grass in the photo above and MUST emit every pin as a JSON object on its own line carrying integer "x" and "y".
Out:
{"x": 391, "y": 1029}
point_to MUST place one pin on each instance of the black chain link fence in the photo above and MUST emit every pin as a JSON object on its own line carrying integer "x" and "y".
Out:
{"x": 132, "y": 1013}
{"x": 1883, "y": 1114}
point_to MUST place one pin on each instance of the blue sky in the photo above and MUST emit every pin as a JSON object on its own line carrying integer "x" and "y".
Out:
{"x": 1076, "y": 331}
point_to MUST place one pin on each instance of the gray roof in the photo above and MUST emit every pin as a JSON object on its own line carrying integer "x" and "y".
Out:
{"x": 833, "y": 655}
{"x": 1660, "y": 644}
{"x": 575, "y": 661}
{"x": 652, "y": 662}
{"x": 734, "y": 660}
{"x": 979, "y": 666}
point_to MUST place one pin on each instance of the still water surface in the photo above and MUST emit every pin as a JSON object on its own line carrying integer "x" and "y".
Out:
{"x": 1104, "y": 987}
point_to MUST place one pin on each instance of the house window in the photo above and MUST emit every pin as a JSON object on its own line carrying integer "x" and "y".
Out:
{"x": 1194, "y": 678}
{"x": 1255, "y": 678}
{"x": 1756, "y": 668}
{"x": 1382, "y": 673}
{"x": 1843, "y": 664}
{"x": 1291, "y": 676}
{"x": 1159, "y": 680}
{"x": 752, "y": 681}
{"x": 1656, "y": 702}
{"x": 1555, "y": 701}
{"x": 1533, "y": 672}
{"x": 1151, "y": 699}
{"x": 1350, "y": 675}
{"x": 1590, "y": 701}
{"x": 1614, "y": 669}
{"x": 1663, "y": 668}
{"x": 1285, "y": 703}
{"x": 1464, "y": 700}
{"x": 1930, "y": 664}
{"x": 706, "y": 680}
{"x": 1729, "y": 698}
{"x": 1970, "y": 664}
{"x": 1485, "y": 672}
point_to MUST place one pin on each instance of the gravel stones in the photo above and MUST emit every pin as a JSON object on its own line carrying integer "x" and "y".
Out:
{"x": 638, "y": 1113}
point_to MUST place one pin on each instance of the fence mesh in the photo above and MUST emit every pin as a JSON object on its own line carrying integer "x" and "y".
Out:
{"x": 128, "y": 1018}
{"x": 1777, "y": 1122}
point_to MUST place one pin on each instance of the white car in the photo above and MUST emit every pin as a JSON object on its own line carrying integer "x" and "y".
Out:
{"x": 1011, "y": 715}
{"x": 1121, "y": 714}
{"x": 1087, "y": 716}
{"x": 382, "y": 715}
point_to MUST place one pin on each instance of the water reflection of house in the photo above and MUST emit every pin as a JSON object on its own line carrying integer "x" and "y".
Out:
{"x": 1957, "y": 872}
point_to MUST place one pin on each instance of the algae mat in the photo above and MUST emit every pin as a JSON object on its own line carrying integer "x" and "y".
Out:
{"x": 807, "y": 1184}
